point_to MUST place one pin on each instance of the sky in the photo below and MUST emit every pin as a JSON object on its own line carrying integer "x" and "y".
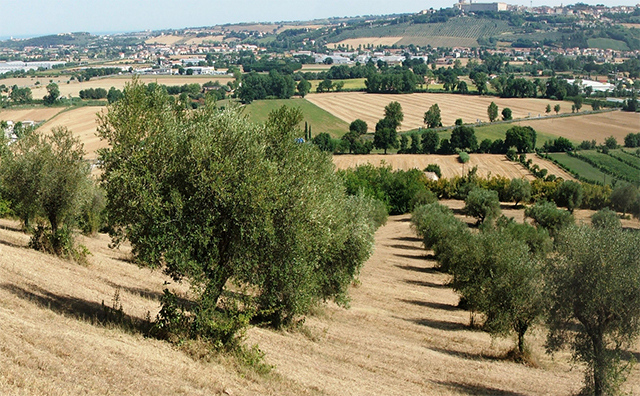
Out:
{"x": 27, "y": 18}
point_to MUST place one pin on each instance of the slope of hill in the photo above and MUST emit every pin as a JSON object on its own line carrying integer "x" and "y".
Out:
{"x": 402, "y": 335}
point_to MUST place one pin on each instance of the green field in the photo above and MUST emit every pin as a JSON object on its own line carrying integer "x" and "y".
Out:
{"x": 626, "y": 157}
{"x": 613, "y": 165}
{"x": 354, "y": 83}
{"x": 582, "y": 168}
{"x": 320, "y": 120}
{"x": 607, "y": 43}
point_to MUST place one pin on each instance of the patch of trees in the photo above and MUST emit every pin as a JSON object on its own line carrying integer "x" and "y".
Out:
{"x": 632, "y": 140}
{"x": 20, "y": 95}
{"x": 217, "y": 201}
{"x": 93, "y": 93}
{"x": 396, "y": 80}
{"x": 87, "y": 74}
{"x": 282, "y": 66}
{"x": 262, "y": 86}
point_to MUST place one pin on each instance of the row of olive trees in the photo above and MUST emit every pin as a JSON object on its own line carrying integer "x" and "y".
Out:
{"x": 584, "y": 282}
{"x": 252, "y": 218}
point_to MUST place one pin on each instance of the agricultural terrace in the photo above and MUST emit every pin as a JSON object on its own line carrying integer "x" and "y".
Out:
{"x": 349, "y": 106}
{"x": 494, "y": 164}
{"x": 73, "y": 88}
{"x": 82, "y": 122}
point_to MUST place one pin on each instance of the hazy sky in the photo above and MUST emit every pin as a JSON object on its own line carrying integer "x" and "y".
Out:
{"x": 38, "y": 17}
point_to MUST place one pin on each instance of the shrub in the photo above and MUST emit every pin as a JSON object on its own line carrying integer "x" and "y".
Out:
{"x": 605, "y": 218}
{"x": 463, "y": 157}
{"x": 548, "y": 216}
{"x": 519, "y": 191}
{"x": 569, "y": 195}
{"x": 624, "y": 196}
{"x": 482, "y": 204}
{"x": 435, "y": 168}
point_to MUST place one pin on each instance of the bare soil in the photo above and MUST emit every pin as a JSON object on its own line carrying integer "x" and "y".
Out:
{"x": 82, "y": 122}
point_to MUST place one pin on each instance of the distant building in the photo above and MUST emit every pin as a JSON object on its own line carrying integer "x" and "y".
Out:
{"x": 477, "y": 7}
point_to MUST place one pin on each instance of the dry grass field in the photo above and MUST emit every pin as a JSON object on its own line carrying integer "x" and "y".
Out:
{"x": 167, "y": 40}
{"x": 200, "y": 40}
{"x": 487, "y": 164}
{"x": 82, "y": 122}
{"x": 402, "y": 335}
{"x": 349, "y": 106}
{"x": 36, "y": 114}
{"x": 366, "y": 41}
{"x": 588, "y": 127}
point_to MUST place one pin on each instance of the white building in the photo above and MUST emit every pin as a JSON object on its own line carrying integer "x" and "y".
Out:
{"x": 595, "y": 85}
{"x": 478, "y": 7}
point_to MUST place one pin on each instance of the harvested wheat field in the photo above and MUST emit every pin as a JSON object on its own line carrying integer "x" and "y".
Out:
{"x": 168, "y": 40}
{"x": 494, "y": 164}
{"x": 402, "y": 335}
{"x": 366, "y": 41}
{"x": 36, "y": 114}
{"x": 589, "y": 126}
{"x": 82, "y": 122}
{"x": 349, "y": 106}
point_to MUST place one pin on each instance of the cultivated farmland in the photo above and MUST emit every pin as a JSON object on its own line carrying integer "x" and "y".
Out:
{"x": 349, "y": 106}
{"x": 494, "y": 164}
{"x": 82, "y": 122}
{"x": 589, "y": 126}
{"x": 582, "y": 168}
{"x": 36, "y": 114}
{"x": 366, "y": 41}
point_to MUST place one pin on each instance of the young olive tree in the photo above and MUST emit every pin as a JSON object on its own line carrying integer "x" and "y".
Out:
{"x": 482, "y": 204}
{"x": 594, "y": 288}
{"x": 45, "y": 176}
{"x": 212, "y": 198}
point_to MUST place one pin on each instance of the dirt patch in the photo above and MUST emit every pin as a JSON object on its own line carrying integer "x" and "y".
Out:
{"x": 370, "y": 107}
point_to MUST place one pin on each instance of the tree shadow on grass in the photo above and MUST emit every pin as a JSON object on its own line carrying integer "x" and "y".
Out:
{"x": 479, "y": 357}
{"x": 406, "y": 247}
{"x": 413, "y": 256}
{"x": 98, "y": 314}
{"x": 476, "y": 389}
{"x": 407, "y": 239}
{"x": 14, "y": 245}
{"x": 439, "y": 324}
{"x": 432, "y": 305}
{"x": 148, "y": 294}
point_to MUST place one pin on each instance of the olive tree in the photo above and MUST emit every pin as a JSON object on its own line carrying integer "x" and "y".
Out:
{"x": 45, "y": 177}
{"x": 569, "y": 194}
{"x": 594, "y": 288}
{"x": 210, "y": 197}
{"x": 519, "y": 190}
{"x": 482, "y": 204}
{"x": 548, "y": 216}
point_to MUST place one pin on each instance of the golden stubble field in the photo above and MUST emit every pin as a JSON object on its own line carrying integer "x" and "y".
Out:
{"x": 349, "y": 106}
{"x": 488, "y": 164}
{"x": 36, "y": 114}
{"x": 83, "y": 123}
{"x": 402, "y": 335}
{"x": 589, "y": 126}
